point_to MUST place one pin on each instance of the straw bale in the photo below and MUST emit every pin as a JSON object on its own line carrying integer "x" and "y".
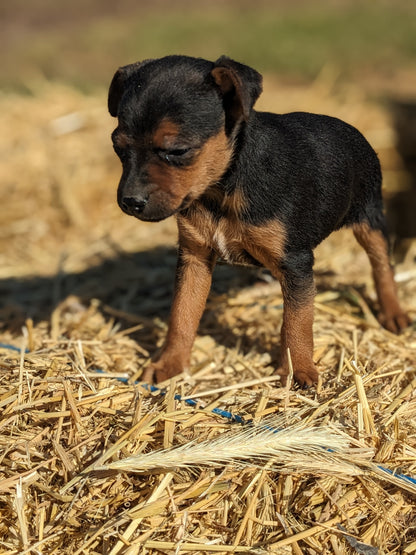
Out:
{"x": 85, "y": 296}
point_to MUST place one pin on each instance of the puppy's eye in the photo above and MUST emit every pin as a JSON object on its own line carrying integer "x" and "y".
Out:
{"x": 178, "y": 151}
{"x": 175, "y": 156}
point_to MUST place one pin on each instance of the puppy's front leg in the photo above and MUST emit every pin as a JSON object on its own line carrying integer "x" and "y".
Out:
{"x": 192, "y": 285}
{"x": 296, "y": 276}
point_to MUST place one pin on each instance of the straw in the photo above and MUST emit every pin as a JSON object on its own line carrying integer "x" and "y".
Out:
{"x": 224, "y": 460}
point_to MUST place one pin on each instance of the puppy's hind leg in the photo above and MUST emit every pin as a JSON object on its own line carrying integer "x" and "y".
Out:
{"x": 375, "y": 243}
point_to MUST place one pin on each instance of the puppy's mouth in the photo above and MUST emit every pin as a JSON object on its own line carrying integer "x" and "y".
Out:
{"x": 150, "y": 212}
{"x": 158, "y": 217}
{"x": 163, "y": 215}
{"x": 153, "y": 218}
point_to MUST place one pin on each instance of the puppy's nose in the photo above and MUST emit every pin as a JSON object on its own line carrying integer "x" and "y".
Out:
{"x": 133, "y": 205}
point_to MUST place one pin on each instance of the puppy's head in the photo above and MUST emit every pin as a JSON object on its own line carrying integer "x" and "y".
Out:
{"x": 177, "y": 120}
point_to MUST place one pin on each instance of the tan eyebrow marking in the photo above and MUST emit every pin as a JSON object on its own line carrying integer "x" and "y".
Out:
{"x": 166, "y": 131}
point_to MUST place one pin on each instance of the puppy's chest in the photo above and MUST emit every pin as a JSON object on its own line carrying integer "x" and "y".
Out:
{"x": 230, "y": 248}
{"x": 226, "y": 236}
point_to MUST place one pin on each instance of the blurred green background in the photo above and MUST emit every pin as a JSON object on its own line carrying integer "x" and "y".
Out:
{"x": 83, "y": 41}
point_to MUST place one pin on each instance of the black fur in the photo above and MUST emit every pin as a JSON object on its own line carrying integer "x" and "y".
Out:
{"x": 316, "y": 173}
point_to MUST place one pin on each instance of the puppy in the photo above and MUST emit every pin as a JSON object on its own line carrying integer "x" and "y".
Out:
{"x": 249, "y": 187}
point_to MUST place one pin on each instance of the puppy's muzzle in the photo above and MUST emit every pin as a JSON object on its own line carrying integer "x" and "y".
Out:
{"x": 133, "y": 206}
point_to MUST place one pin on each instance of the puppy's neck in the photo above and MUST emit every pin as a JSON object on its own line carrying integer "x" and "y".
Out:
{"x": 225, "y": 202}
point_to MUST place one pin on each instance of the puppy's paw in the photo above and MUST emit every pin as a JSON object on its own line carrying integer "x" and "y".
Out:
{"x": 161, "y": 371}
{"x": 394, "y": 321}
{"x": 305, "y": 377}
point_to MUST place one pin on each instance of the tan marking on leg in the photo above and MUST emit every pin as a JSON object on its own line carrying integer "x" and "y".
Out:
{"x": 391, "y": 316}
{"x": 297, "y": 336}
{"x": 198, "y": 228}
{"x": 267, "y": 245}
{"x": 192, "y": 286}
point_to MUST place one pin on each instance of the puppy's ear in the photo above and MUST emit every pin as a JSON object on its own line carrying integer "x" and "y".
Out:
{"x": 118, "y": 85}
{"x": 240, "y": 86}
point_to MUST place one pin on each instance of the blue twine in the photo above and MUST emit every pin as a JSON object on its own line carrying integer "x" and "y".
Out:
{"x": 12, "y": 347}
{"x": 191, "y": 402}
{"x": 401, "y": 476}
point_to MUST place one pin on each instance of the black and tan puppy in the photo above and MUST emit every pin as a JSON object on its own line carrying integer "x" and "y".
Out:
{"x": 249, "y": 187}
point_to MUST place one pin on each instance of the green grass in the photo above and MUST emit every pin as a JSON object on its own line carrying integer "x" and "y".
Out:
{"x": 367, "y": 36}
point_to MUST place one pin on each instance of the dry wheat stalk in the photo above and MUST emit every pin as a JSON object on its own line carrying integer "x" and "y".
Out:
{"x": 272, "y": 442}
